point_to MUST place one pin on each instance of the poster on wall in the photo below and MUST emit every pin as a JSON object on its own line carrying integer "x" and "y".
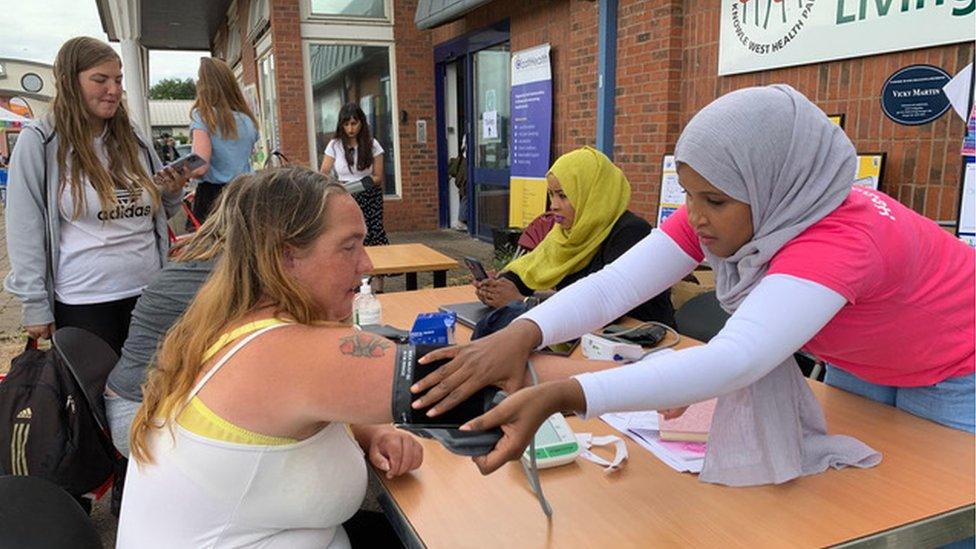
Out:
{"x": 969, "y": 142}
{"x": 672, "y": 195}
{"x": 531, "y": 134}
{"x": 759, "y": 35}
{"x": 489, "y": 126}
{"x": 870, "y": 168}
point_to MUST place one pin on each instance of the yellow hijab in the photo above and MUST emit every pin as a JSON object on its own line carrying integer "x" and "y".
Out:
{"x": 600, "y": 194}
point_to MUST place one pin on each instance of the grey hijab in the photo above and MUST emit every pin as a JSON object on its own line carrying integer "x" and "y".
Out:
{"x": 776, "y": 151}
{"x": 773, "y": 149}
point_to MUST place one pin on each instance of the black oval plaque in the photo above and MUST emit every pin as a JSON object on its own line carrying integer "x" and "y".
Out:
{"x": 914, "y": 96}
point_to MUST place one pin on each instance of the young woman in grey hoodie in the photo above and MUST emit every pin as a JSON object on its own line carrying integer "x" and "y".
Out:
{"x": 87, "y": 203}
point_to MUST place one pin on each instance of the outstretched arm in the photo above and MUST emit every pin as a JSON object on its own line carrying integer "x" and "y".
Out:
{"x": 780, "y": 315}
{"x": 647, "y": 269}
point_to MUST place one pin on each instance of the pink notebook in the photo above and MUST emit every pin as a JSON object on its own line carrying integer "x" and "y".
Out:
{"x": 692, "y": 426}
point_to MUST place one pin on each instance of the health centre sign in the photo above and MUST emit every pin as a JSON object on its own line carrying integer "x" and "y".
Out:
{"x": 766, "y": 34}
{"x": 531, "y": 134}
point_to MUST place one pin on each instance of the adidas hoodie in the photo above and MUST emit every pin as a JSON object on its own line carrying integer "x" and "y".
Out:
{"x": 32, "y": 192}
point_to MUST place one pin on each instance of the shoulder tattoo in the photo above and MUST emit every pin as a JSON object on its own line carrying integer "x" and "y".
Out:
{"x": 364, "y": 345}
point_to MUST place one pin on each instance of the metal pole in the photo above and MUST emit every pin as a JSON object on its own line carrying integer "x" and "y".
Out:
{"x": 607, "y": 77}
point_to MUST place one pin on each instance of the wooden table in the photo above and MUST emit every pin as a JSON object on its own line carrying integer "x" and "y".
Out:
{"x": 922, "y": 493}
{"x": 410, "y": 259}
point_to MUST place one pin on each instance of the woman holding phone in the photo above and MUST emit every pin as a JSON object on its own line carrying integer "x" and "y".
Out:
{"x": 354, "y": 154}
{"x": 589, "y": 196}
{"x": 88, "y": 203}
{"x": 223, "y": 130}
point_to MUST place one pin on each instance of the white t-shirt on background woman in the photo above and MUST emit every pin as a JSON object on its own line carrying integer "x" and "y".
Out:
{"x": 343, "y": 170}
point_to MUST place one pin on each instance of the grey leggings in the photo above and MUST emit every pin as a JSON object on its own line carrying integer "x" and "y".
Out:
{"x": 120, "y": 412}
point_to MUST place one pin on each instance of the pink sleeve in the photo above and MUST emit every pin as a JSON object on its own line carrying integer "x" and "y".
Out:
{"x": 845, "y": 260}
{"x": 677, "y": 227}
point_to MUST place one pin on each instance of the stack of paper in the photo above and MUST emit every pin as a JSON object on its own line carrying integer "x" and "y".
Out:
{"x": 691, "y": 426}
{"x": 644, "y": 428}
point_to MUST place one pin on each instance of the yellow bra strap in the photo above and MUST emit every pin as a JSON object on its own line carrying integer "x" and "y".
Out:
{"x": 238, "y": 332}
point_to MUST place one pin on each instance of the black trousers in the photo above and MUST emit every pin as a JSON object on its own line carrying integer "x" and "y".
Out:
{"x": 203, "y": 200}
{"x": 109, "y": 320}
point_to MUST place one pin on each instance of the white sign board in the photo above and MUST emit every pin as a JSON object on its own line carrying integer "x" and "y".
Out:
{"x": 672, "y": 194}
{"x": 765, "y": 34}
{"x": 967, "y": 207}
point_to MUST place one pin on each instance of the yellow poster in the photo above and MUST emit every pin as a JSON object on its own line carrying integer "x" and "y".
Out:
{"x": 836, "y": 119}
{"x": 527, "y": 200}
{"x": 869, "y": 170}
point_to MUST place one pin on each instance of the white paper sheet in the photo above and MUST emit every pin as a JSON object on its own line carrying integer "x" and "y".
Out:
{"x": 957, "y": 90}
{"x": 642, "y": 427}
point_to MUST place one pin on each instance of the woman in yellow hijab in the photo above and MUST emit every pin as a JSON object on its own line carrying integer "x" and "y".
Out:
{"x": 589, "y": 197}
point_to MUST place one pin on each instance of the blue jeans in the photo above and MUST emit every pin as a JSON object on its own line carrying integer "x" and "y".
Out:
{"x": 951, "y": 402}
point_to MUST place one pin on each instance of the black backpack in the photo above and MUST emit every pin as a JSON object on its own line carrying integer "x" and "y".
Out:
{"x": 47, "y": 427}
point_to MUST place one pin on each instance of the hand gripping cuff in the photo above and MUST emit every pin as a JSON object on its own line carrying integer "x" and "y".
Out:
{"x": 442, "y": 428}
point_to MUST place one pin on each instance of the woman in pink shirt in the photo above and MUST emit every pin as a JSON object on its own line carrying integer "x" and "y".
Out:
{"x": 802, "y": 261}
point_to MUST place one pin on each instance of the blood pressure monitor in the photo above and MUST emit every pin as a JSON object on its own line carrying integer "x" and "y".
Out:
{"x": 555, "y": 443}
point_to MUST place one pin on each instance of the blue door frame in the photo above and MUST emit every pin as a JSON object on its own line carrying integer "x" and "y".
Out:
{"x": 461, "y": 49}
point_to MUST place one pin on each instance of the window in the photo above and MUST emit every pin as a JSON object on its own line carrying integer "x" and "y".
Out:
{"x": 340, "y": 74}
{"x": 220, "y": 43}
{"x": 233, "y": 36}
{"x": 269, "y": 114}
{"x": 491, "y": 80}
{"x": 257, "y": 18}
{"x": 374, "y": 9}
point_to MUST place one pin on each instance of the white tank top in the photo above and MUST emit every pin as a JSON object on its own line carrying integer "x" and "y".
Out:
{"x": 205, "y": 493}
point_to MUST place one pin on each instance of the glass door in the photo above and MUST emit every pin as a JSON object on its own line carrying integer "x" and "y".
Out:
{"x": 488, "y": 127}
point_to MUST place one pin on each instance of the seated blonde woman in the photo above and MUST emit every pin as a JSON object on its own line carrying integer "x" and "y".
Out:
{"x": 589, "y": 196}
{"x": 242, "y": 438}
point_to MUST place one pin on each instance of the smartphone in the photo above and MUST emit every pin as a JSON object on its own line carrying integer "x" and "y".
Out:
{"x": 191, "y": 161}
{"x": 645, "y": 336}
{"x": 389, "y": 332}
{"x": 477, "y": 269}
{"x": 561, "y": 349}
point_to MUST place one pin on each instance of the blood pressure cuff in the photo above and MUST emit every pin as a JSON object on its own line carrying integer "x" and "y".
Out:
{"x": 444, "y": 427}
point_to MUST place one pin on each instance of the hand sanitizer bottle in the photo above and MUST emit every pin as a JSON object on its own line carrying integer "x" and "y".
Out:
{"x": 366, "y": 309}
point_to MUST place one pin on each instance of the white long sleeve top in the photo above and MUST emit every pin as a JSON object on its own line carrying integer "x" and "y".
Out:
{"x": 778, "y": 317}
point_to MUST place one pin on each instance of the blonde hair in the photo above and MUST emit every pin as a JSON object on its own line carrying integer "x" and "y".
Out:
{"x": 218, "y": 96}
{"x": 208, "y": 240}
{"x": 269, "y": 211}
{"x": 75, "y": 128}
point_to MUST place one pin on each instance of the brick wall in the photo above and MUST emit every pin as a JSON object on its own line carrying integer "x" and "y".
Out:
{"x": 922, "y": 167}
{"x": 646, "y": 122}
{"x": 417, "y": 207}
{"x": 667, "y": 66}
{"x": 289, "y": 80}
